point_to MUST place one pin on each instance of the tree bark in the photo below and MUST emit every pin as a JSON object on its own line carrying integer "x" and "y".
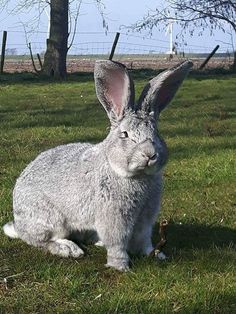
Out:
{"x": 57, "y": 44}
{"x": 234, "y": 64}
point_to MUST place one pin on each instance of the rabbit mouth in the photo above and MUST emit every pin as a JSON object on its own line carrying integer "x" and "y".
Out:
{"x": 134, "y": 170}
{"x": 145, "y": 168}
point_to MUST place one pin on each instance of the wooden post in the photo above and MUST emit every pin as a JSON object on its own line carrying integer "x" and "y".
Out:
{"x": 114, "y": 46}
{"x": 4, "y": 41}
{"x": 209, "y": 57}
{"x": 40, "y": 62}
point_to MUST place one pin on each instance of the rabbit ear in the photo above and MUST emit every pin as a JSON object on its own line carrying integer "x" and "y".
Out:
{"x": 114, "y": 88}
{"x": 161, "y": 89}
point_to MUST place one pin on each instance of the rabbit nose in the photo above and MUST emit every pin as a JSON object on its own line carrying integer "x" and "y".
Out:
{"x": 152, "y": 160}
{"x": 153, "y": 157}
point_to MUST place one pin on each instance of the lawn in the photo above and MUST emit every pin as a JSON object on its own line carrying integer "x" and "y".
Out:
{"x": 199, "y": 201}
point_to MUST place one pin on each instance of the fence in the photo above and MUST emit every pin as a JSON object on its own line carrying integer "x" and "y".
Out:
{"x": 133, "y": 50}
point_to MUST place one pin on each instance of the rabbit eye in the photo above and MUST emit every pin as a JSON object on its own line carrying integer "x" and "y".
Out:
{"x": 124, "y": 134}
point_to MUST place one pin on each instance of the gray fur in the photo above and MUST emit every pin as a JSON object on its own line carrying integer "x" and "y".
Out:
{"x": 161, "y": 89}
{"x": 112, "y": 189}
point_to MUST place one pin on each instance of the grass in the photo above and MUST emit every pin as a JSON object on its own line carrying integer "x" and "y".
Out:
{"x": 199, "y": 200}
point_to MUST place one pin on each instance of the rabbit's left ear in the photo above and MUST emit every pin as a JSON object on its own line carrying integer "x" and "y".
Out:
{"x": 114, "y": 88}
{"x": 158, "y": 93}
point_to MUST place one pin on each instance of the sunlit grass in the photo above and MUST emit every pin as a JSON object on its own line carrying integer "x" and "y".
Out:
{"x": 199, "y": 200}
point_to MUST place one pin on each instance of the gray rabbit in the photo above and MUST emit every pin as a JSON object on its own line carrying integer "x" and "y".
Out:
{"x": 111, "y": 190}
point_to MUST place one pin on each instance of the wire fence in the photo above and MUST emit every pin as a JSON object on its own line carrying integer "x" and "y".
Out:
{"x": 133, "y": 50}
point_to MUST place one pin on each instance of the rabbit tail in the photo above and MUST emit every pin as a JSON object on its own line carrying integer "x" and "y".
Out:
{"x": 9, "y": 230}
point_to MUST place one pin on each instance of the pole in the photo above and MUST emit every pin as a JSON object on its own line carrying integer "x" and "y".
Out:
{"x": 4, "y": 41}
{"x": 209, "y": 57}
{"x": 114, "y": 46}
{"x": 171, "y": 38}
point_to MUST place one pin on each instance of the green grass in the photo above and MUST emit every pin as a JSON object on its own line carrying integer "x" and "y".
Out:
{"x": 199, "y": 200}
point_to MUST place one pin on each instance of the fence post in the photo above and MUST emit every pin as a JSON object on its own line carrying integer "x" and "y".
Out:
{"x": 209, "y": 57}
{"x": 114, "y": 46}
{"x": 4, "y": 41}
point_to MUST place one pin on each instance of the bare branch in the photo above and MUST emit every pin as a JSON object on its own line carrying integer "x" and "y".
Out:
{"x": 32, "y": 58}
{"x": 75, "y": 23}
{"x": 194, "y": 16}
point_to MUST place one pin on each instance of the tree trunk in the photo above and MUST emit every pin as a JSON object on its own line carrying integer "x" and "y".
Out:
{"x": 234, "y": 64}
{"x": 55, "y": 56}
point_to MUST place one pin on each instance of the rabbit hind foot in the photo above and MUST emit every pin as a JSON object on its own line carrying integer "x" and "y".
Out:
{"x": 65, "y": 248}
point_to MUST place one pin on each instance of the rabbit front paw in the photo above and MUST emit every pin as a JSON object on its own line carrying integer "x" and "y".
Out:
{"x": 65, "y": 248}
{"x": 118, "y": 264}
{"x": 118, "y": 259}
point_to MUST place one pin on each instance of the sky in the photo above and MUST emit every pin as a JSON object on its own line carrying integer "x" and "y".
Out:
{"x": 91, "y": 37}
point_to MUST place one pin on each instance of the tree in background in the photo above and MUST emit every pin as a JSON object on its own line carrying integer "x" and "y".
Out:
{"x": 194, "y": 16}
{"x": 59, "y": 29}
{"x": 57, "y": 43}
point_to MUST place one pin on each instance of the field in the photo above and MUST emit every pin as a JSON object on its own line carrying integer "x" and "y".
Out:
{"x": 85, "y": 63}
{"x": 199, "y": 201}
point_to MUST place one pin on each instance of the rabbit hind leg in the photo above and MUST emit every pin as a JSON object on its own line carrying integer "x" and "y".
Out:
{"x": 141, "y": 242}
{"x": 64, "y": 248}
{"x": 42, "y": 236}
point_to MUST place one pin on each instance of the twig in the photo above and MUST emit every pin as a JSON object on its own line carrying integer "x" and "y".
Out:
{"x": 32, "y": 58}
{"x": 12, "y": 276}
{"x": 5, "y": 279}
{"x": 163, "y": 240}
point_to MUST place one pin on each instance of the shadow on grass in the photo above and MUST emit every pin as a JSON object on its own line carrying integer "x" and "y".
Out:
{"x": 147, "y": 73}
{"x": 197, "y": 236}
{"x": 32, "y": 78}
{"x": 137, "y": 74}
{"x": 188, "y": 242}
{"x": 207, "y": 244}
{"x": 185, "y": 237}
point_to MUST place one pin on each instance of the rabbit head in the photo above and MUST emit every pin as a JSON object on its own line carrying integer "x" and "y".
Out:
{"x": 134, "y": 146}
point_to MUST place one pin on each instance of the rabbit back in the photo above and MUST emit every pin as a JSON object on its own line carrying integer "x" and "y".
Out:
{"x": 48, "y": 191}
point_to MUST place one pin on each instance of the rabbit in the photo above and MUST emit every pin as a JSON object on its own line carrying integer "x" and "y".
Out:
{"x": 112, "y": 189}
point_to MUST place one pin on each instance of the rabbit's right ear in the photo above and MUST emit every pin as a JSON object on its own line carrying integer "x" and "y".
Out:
{"x": 114, "y": 88}
{"x": 158, "y": 93}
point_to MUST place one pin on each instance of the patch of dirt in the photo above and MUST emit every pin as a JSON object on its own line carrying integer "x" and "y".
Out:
{"x": 87, "y": 64}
